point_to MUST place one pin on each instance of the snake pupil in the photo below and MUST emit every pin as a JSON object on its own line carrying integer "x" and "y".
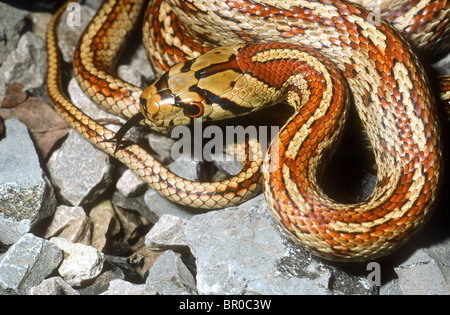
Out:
{"x": 193, "y": 110}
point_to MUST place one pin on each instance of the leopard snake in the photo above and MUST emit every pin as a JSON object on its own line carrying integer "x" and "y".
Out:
{"x": 314, "y": 54}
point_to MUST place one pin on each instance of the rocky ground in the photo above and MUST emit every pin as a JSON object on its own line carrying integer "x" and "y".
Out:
{"x": 75, "y": 221}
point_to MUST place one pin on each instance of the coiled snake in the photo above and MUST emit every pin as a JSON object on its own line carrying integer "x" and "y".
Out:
{"x": 313, "y": 54}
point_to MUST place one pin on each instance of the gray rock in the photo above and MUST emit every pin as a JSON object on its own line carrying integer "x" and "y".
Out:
{"x": 170, "y": 276}
{"x": 229, "y": 165}
{"x": 440, "y": 252}
{"x": 159, "y": 205}
{"x": 11, "y": 26}
{"x": 122, "y": 263}
{"x": 135, "y": 204}
{"x": 79, "y": 171}
{"x": 81, "y": 263}
{"x": 101, "y": 283}
{"x": 70, "y": 223}
{"x": 12, "y": 23}
{"x": 26, "y": 196}
{"x": 420, "y": 274}
{"x": 94, "y": 3}
{"x": 53, "y": 286}
{"x": 27, "y": 64}
{"x": 122, "y": 287}
{"x": 391, "y": 288}
{"x": 129, "y": 74}
{"x": 161, "y": 146}
{"x": 167, "y": 233}
{"x": 39, "y": 22}
{"x": 69, "y": 31}
{"x": 241, "y": 250}
{"x": 185, "y": 169}
{"x": 442, "y": 67}
{"x": 2, "y": 89}
{"x": 130, "y": 184}
{"x": 105, "y": 224}
{"x": 27, "y": 263}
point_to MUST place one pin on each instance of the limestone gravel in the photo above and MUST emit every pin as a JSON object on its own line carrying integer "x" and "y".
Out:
{"x": 81, "y": 263}
{"x": 79, "y": 171}
{"x": 27, "y": 263}
{"x": 26, "y": 195}
{"x": 239, "y": 250}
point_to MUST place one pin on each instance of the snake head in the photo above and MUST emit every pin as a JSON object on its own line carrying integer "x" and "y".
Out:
{"x": 175, "y": 98}
{"x": 198, "y": 88}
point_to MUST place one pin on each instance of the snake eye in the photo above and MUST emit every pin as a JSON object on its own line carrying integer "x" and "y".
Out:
{"x": 194, "y": 110}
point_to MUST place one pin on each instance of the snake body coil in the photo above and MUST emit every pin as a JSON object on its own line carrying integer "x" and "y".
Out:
{"x": 313, "y": 54}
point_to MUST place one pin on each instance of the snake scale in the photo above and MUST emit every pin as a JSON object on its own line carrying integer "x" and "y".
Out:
{"x": 220, "y": 59}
